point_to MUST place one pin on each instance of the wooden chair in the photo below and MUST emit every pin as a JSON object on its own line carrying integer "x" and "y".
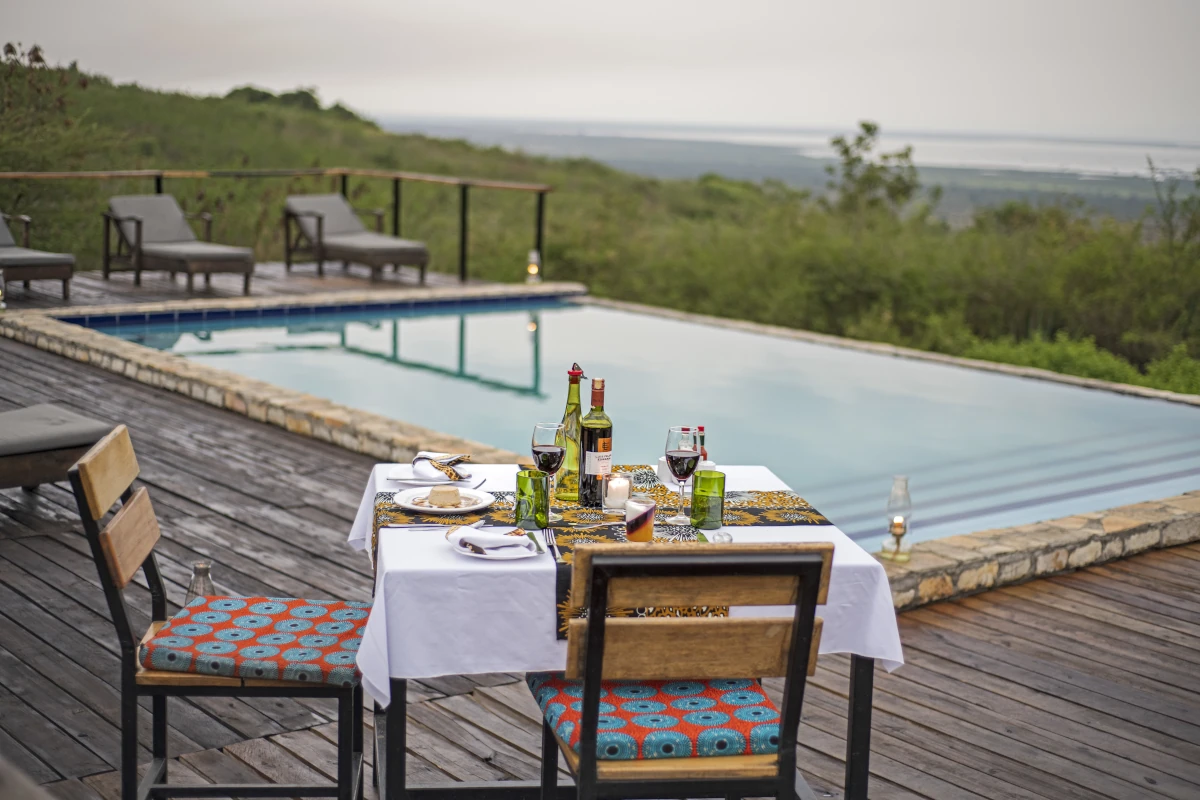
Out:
{"x": 179, "y": 666}
{"x": 25, "y": 265}
{"x": 153, "y": 234}
{"x": 687, "y": 686}
{"x": 327, "y": 227}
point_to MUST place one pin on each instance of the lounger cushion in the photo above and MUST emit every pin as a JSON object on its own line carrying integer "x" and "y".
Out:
{"x": 663, "y": 719}
{"x": 24, "y": 257}
{"x": 39, "y": 428}
{"x": 198, "y": 251}
{"x": 338, "y": 215}
{"x": 270, "y": 638}
{"x": 162, "y": 218}
{"x": 377, "y": 246}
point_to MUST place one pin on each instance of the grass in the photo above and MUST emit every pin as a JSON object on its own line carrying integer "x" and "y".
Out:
{"x": 1048, "y": 287}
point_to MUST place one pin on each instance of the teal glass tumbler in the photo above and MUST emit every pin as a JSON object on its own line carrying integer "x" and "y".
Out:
{"x": 708, "y": 499}
{"x": 533, "y": 500}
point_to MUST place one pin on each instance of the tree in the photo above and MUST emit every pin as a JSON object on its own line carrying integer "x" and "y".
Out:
{"x": 888, "y": 183}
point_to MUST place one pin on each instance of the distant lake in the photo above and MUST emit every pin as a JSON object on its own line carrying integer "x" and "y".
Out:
{"x": 930, "y": 149}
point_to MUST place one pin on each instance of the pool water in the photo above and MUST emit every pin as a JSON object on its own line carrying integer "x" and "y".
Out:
{"x": 982, "y": 450}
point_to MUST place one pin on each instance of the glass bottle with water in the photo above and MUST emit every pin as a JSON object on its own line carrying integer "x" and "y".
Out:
{"x": 201, "y": 584}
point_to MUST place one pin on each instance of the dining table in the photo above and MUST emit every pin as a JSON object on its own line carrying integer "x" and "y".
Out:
{"x": 437, "y": 612}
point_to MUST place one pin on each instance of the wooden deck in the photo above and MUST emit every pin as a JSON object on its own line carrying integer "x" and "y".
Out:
{"x": 90, "y": 288}
{"x": 1080, "y": 686}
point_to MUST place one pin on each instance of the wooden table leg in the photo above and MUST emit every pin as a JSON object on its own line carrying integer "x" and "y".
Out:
{"x": 858, "y": 727}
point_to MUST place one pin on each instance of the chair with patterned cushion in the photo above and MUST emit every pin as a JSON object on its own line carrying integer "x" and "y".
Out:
{"x": 671, "y": 705}
{"x": 215, "y": 646}
{"x": 327, "y": 227}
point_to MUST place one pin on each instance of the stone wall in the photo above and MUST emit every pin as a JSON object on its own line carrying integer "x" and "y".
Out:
{"x": 960, "y": 565}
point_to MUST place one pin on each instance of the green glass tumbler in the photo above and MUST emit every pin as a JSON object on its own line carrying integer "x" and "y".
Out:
{"x": 708, "y": 499}
{"x": 533, "y": 500}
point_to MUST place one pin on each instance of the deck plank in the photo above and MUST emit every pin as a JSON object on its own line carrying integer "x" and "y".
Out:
{"x": 1078, "y": 686}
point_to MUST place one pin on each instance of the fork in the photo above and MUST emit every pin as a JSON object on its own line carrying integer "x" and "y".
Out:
{"x": 548, "y": 536}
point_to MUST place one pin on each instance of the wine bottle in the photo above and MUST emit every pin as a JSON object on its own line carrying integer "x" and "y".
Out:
{"x": 595, "y": 448}
{"x": 703, "y": 449}
{"x": 568, "y": 478}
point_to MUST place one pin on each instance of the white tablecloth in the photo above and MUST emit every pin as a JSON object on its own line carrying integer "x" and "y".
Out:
{"x": 440, "y": 613}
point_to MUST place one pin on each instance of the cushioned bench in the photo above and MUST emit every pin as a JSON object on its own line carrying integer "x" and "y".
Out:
{"x": 39, "y": 444}
{"x": 25, "y": 265}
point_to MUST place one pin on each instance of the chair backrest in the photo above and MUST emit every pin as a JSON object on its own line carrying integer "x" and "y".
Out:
{"x": 6, "y": 237}
{"x": 624, "y": 576}
{"x": 126, "y": 544}
{"x": 339, "y": 216}
{"x": 162, "y": 218}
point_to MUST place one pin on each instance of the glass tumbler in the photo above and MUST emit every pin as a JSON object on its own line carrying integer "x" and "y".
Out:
{"x": 639, "y": 518}
{"x": 533, "y": 500}
{"x": 708, "y": 500}
{"x": 615, "y": 490}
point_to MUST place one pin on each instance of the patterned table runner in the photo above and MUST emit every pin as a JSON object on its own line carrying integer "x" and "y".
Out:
{"x": 583, "y": 525}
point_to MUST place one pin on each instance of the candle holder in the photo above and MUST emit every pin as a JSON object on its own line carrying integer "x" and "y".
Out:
{"x": 615, "y": 490}
{"x": 899, "y": 513}
{"x": 533, "y": 272}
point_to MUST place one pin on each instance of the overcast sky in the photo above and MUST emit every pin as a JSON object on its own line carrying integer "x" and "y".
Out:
{"x": 1099, "y": 68}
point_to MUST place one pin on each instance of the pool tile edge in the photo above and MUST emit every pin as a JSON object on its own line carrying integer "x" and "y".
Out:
{"x": 303, "y": 414}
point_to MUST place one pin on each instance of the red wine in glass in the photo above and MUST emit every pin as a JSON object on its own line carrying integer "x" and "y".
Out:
{"x": 682, "y": 463}
{"x": 549, "y": 457}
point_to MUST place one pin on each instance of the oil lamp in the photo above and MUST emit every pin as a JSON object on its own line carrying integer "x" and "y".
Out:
{"x": 899, "y": 515}
{"x": 533, "y": 272}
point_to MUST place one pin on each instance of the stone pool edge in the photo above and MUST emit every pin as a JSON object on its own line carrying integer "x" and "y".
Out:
{"x": 352, "y": 429}
{"x": 884, "y": 349}
{"x": 956, "y": 566}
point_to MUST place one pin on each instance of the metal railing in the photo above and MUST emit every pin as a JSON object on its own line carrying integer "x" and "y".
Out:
{"x": 344, "y": 173}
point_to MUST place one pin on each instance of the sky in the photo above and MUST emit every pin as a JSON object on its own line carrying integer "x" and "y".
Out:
{"x": 1076, "y": 68}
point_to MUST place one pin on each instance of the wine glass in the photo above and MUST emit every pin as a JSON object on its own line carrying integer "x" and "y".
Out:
{"x": 683, "y": 456}
{"x": 549, "y": 448}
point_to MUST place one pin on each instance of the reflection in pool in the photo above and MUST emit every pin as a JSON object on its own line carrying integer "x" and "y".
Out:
{"x": 983, "y": 450}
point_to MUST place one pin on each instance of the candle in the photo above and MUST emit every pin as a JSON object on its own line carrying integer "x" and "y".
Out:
{"x": 897, "y": 526}
{"x": 617, "y": 490}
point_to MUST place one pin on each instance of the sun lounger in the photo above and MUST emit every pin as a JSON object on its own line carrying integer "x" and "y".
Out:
{"x": 153, "y": 234}
{"x": 39, "y": 444}
{"x": 327, "y": 228}
{"x": 25, "y": 265}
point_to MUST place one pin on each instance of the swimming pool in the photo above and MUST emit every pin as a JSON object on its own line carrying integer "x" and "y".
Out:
{"x": 983, "y": 450}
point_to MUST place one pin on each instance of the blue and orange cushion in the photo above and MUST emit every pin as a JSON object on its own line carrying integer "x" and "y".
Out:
{"x": 267, "y": 638}
{"x": 663, "y": 719}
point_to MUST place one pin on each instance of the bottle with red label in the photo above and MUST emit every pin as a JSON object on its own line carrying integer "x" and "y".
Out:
{"x": 595, "y": 448}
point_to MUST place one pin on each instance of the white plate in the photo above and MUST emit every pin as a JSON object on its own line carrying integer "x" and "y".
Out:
{"x": 479, "y": 501}
{"x": 503, "y": 554}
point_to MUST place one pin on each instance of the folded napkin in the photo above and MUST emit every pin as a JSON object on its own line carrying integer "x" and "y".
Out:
{"x": 432, "y": 467}
{"x": 489, "y": 540}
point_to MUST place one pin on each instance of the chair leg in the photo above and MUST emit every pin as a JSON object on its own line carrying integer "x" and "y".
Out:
{"x": 376, "y": 274}
{"x": 190, "y": 282}
{"x": 159, "y": 731}
{"x": 345, "y": 768}
{"x": 129, "y": 742}
{"x": 32, "y": 488}
{"x": 321, "y": 266}
{"x": 66, "y": 288}
{"x": 345, "y": 266}
{"x": 208, "y": 280}
{"x": 549, "y": 762}
{"x": 25, "y": 284}
{"x": 423, "y": 274}
{"x": 246, "y": 284}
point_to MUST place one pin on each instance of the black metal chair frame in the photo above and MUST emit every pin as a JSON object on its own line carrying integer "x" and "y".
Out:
{"x": 788, "y": 783}
{"x": 153, "y": 784}
{"x": 130, "y": 252}
{"x": 297, "y": 243}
